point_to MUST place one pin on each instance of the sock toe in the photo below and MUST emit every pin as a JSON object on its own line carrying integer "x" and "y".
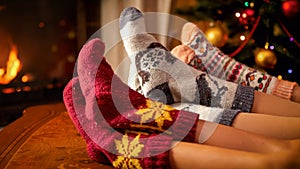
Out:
{"x": 129, "y": 14}
{"x": 133, "y": 31}
{"x": 131, "y": 22}
{"x": 187, "y": 31}
{"x": 89, "y": 59}
{"x": 90, "y": 56}
{"x": 184, "y": 53}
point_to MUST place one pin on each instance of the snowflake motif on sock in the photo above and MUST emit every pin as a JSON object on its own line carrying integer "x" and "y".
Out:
{"x": 129, "y": 151}
{"x": 151, "y": 58}
{"x": 168, "y": 56}
{"x": 155, "y": 111}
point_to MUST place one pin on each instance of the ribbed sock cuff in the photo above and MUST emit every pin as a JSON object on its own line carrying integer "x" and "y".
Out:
{"x": 228, "y": 116}
{"x": 185, "y": 126}
{"x": 284, "y": 89}
{"x": 156, "y": 151}
{"x": 243, "y": 99}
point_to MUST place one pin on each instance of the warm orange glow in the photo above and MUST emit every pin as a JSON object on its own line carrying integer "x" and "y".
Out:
{"x": 13, "y": 66}
{"x": 8, "y": 90}
{"x": 25, "y": 78}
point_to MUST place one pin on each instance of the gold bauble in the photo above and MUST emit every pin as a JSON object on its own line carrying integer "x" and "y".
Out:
{"x": 265, "y": 58}
{"x": 217, "y": 36}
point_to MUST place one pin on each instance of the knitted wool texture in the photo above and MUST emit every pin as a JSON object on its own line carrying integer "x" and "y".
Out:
{"x": 147, "y": 126}
{"x": 207, "y": 57}
{"x": 159, "y": 75}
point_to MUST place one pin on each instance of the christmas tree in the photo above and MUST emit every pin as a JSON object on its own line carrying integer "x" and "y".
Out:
{"x": 262, "y": 34}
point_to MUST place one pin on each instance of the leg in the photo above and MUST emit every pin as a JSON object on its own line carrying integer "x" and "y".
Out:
{"x": 296, "y": 94}
{"x": 269, "y": 104}
{"x": 189, "y": 155}
{"x": 268, "y": 125}
{"x": 281, "y": 127}
{"x": 233, "y": 138}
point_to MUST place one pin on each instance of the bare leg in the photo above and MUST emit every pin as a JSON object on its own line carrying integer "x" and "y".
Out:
{"x": 189, "y": 155}
{"x": 272, "y": 105}
{"x": 273, "y": 126}
{"x": 233, "y": 138}
{"x": 296, "y": 94}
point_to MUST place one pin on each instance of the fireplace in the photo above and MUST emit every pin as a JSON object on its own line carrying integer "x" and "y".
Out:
{"x": 39, "y": 44}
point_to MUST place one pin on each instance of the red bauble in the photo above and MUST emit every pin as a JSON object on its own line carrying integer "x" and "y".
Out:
{"x": 290, "y": 8}
{"x": 247, "y": 17}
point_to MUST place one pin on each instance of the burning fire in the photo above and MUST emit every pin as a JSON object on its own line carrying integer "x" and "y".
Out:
{"x": 13, "y": 66}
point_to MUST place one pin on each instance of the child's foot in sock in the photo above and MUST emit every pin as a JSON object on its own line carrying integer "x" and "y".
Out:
{"x": 164, "y": 78}
{"x": 220, "y": 65}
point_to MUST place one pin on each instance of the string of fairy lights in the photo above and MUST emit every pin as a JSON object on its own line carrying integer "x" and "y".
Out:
{"x": 248, "y": 15}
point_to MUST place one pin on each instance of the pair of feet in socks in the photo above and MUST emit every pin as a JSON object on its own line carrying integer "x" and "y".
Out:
{"x": 102, "y": 89}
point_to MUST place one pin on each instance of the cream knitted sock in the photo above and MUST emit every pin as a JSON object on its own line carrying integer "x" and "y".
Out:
{"x": 215, "y": 62}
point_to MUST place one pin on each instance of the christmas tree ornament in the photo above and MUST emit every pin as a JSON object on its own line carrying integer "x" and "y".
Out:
{"x": 217, "y": 35}
{"x": 247, "y": 17}
{"x": 203, "y": 24}
{"x": 265, "y": 58}
{"x": 290, "y": 8}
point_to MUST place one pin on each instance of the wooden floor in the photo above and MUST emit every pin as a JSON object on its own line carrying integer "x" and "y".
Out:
{"x": 44, "y": 137}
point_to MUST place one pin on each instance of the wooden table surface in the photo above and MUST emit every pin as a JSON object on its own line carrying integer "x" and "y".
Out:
{"x": 44, "y": 137}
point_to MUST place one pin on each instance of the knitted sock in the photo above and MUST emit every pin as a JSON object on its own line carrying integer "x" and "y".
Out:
{"x": 164, "y": 78}
{"x": 122, "y": 116}
{"x": 215, "y": 62}
{"x": 103, "y": 144}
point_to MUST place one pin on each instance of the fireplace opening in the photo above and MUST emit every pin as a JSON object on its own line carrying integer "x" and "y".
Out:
{"x": 39, "y": 44}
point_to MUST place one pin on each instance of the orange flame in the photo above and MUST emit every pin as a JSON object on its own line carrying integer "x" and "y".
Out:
{"x": 13, "y": 66}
